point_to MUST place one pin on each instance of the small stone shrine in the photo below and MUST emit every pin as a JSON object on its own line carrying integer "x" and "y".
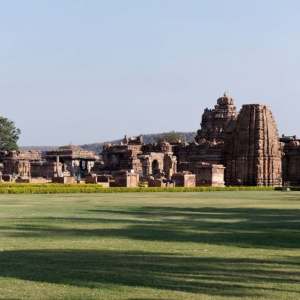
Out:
{"x": 70, "y": 160}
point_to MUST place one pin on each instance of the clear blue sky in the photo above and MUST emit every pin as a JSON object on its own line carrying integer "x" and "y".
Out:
{"x": 91, "y": 71}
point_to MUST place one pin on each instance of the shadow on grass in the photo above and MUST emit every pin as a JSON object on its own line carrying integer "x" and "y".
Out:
{"x": 240, "y": 227}
{"x": 208, "y": 275}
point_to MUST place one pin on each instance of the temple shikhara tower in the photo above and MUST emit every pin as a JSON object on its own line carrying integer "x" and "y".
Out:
{"x": 253, "y": 148}
{"x": 215, "y": 121}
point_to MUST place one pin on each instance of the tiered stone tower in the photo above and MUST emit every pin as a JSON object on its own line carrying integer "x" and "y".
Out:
{"x": 254, "y": 154}
{"x": 215, "y": 121}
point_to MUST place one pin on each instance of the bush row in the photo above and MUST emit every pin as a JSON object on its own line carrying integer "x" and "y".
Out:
{"x": 29, "y": 188}
{"x": 292, "y": 188}
{"x": 51, "y": 189}
{"x": 25, "y": 184}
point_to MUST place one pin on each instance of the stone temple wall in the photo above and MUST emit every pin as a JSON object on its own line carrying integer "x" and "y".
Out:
{"x": 291, "y": 163}
{"x": 255, "y": 155}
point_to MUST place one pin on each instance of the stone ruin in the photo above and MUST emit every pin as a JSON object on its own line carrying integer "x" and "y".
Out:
{"x": 253, "y": 148}
{"x": 159, "y": 180}
{"x": 230, "y": 148}
{"x": 184, "y": 179}
{"x": 126, "y": 179}
{"x": 143, "y": 159}
{"x": 31, "y": 166}
{"x": 290, "y": 146}
{"x": 69, "y": 160}
{"x": 17, "y": 165}
{"x": 98, "y": 179}
{"x": 209, "y": 174}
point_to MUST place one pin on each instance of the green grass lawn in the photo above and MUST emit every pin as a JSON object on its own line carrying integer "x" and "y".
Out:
{"x": 214, "y": 245}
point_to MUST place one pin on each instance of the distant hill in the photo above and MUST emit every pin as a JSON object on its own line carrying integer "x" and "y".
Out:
{"x": 37, "y": 148}
{"x": 148, "y": 138}
{"x": 97, "y": 147}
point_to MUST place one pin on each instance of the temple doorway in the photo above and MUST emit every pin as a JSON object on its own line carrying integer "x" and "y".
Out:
{"x": 155, "y": 166}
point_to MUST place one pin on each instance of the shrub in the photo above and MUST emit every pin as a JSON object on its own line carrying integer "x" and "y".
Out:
{"x": 56, "y": 188}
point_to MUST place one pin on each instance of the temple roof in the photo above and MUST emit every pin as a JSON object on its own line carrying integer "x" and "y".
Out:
{"x": 70, "y": 147}
{"x": 70, "y": 151}
{"x": 225, "y": 99}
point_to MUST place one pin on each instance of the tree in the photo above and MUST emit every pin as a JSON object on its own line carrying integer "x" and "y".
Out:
{"x": 170, "y": 137}
{"x": 9, "y": 135}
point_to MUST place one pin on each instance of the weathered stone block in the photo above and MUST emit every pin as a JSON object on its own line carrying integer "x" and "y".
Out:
{"x": 64, "y": 180}
{"x": 209, "y": 175}
{"x": 126, "y": 179}
{"x": 184, "y": 180}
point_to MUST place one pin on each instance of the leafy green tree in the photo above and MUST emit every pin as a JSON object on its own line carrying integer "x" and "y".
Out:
{"x": 9, "y": 135}
{"x": 170, "y": 137}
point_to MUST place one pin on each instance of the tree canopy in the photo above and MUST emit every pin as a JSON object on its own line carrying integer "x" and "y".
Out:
{"x": 170, "y": 137}
{"x": 9, "y": 135}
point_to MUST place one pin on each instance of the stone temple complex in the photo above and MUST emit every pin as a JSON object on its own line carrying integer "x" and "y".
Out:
{"x": 230, "y": 148}
{"x": 66, "y": 160}
{"x": 242, "y": 147}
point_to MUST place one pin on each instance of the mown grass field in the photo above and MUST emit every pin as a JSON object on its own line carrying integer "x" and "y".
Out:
{"x": 214, "y": 245}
